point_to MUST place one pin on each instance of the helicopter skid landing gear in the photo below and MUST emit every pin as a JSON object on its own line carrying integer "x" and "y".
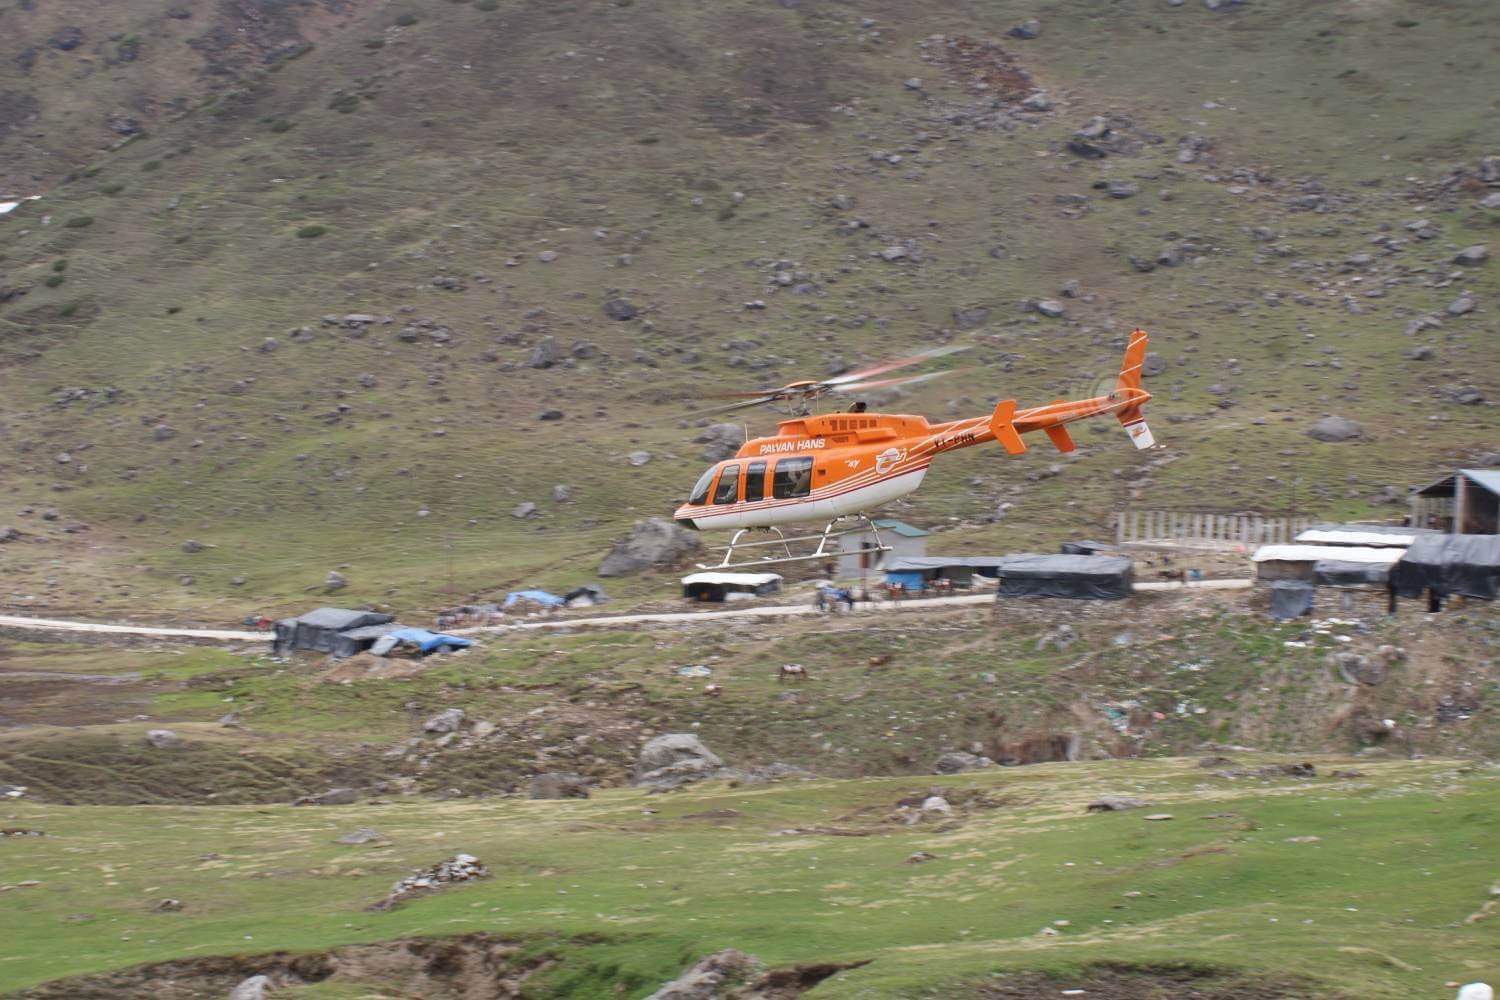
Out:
{"x": 784, "y": 544}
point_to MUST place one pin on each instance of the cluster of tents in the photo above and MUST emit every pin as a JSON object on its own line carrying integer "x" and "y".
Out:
{"x": 340, "y": 632}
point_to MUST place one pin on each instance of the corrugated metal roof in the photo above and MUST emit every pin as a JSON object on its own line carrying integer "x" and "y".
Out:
{"x": 733, "y": 579}
{"x": 899, "y": 527}
{"x": 1313, "y": 553}
{"x": 1488, "y": 478}
{"x": 1349, "y": 536}
{"x": 898, "y": 563}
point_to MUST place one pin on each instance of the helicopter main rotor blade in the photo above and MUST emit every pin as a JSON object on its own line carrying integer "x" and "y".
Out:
{"x": 891, "y": 365}
{"x": 881, "y": 383}
{"x": 743, "y": 404}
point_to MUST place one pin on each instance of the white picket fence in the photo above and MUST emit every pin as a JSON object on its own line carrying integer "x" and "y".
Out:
{"x": 1202, "y": 529}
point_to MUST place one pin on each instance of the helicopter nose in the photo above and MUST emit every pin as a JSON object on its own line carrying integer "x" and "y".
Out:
{"x": 687, "y": 522}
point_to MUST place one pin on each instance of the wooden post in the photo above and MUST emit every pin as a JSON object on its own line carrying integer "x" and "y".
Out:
{"x": 1460, "y": 503}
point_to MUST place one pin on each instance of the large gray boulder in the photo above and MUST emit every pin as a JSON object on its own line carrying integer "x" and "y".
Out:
{"x": 652, "y": 542}
{"x": 559, "y": 785}
{"x": 675, "y": 759}
{"x": 253, "y": 988}
{"x": 712, "y": 977}
{"x": 957, "y": 762}
{"x": 720, "y": 441}
{"x": 1335, "y": 429}
{"x": 446, "y": 721}
{"x": 675, "y": 748}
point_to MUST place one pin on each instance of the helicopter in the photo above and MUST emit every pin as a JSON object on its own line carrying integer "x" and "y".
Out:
{"x": 833, "y": 466}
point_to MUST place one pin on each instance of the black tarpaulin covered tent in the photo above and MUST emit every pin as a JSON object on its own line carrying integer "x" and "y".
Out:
{"x": 1468, "y": 565}
{"x": 1340, "y": 573}
{"x": 320, "y": 630}
{"x": 1097, "y": 578}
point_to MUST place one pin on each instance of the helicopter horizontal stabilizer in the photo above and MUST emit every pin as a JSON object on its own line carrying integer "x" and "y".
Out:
{"x": 1003, "y": 426}
{"x": 1061, "y": 438}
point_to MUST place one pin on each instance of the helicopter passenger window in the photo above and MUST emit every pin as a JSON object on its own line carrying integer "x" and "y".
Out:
{"x": 729, "y": 485}
{"x": 793, "y": 478}
{"x": 755, "y": 482}
{"x": 700, "y": 488}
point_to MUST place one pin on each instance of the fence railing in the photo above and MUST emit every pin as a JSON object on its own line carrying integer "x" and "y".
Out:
{"x": 1206, "y": 530}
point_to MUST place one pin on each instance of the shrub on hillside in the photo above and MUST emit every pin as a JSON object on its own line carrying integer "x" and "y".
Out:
{"x": 406, "y": 20}
{"x": 79, "y": 222}
{"x": 311, "y": 232}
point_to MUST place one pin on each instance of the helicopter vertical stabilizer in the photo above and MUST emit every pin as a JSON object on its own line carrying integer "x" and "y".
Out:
{"x": 1003, "y": 426}
{"x": 1129, "y": 383}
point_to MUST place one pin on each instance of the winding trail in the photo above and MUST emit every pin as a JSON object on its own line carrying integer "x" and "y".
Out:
{"x": 61, "y": 625}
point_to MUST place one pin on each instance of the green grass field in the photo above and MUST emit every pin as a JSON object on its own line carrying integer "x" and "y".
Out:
{"x": 1359, "y": 886}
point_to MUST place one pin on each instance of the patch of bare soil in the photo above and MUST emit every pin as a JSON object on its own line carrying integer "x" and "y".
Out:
{"x": 464, "y": 967}
{"x": 982, "y": 67}
{"x": 1117, "y": 981}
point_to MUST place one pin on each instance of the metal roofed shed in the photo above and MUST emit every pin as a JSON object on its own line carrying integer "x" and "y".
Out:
{"x": 1467, "y": 565}
{"x": 1106, "y": 578}
{"x": 1298, "y": 562}
{"x": 1464, "y": 503}
{"x": 858, "y": 553}
{"x": 920, "y": 570}
{"x": 1371, "y": 536}
{"x": 719, "y": 587}
{"x": 321, "y": 630}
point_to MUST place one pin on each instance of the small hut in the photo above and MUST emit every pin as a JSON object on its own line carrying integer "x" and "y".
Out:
{"x": 720, "y": 587}
{"x": 921, "y": 572}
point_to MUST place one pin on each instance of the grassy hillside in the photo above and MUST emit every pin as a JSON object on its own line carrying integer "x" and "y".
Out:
{"x": 421, "y": 163}
{"x": 886, "y": 695}
{"x": 1290, "y": 887}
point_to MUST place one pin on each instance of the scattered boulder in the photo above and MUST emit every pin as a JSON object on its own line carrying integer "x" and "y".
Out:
{"x": 544, "y": 354}
{"x": 559, "y": 785}
{"x": 1461, "y": 306}
{"x": 675, "y": 759}
{"x": 168, "y": 905}
{"x": 1115, "y": 803}
{"x": 1121, "y": 189}
{"x": 190, "y": 546}
{"x": 524, "y": 511}
{"x": 163, "y": 739}
{"x": 562, "y": 493}
{"x": 892, "y": 253}
{"x": 1152, "y": 364}
{"x": 710, "y": 978}
{"x": 652, "y": 542}
{"x": 620, "y": 309}
{"x": 334, "y": 581}
{"x": 446, "y": 721}
{"x": 1050, "y": 308}
{"x": 957, "y": 762}
{"x": 331, "y": 797}
{"x": 363, "y": 835}
{"x": 552, "y": 413}
{"x": 8, "y": 534}
{"x": 1026, "y": 30}
{"x": 968, "y": 319}
{"x": 1472, "y": 256}
{"x": 459, "y": 868}
{"x": 1038, "y": 101}
{"x": 721, "y": 440}
{"x": 253, "y": 988}
{"x": 914, "y": 83}
{"x": 1334, "y": 429}
{"x": 638, "y": 458}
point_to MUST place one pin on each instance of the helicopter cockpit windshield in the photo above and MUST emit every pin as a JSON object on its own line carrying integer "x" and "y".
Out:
{"x": 700, "y": 488}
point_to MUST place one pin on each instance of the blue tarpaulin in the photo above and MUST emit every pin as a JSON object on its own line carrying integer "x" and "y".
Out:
{"x": 428, "y": 641}
{"x": 910, "y": 579}
{"x": 539, "y": 596}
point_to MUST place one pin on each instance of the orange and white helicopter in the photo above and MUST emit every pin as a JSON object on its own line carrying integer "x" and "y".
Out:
{"x": 833, "y": 466}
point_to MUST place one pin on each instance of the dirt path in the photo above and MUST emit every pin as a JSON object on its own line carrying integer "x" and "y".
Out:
{"x": 601, "y": 621}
